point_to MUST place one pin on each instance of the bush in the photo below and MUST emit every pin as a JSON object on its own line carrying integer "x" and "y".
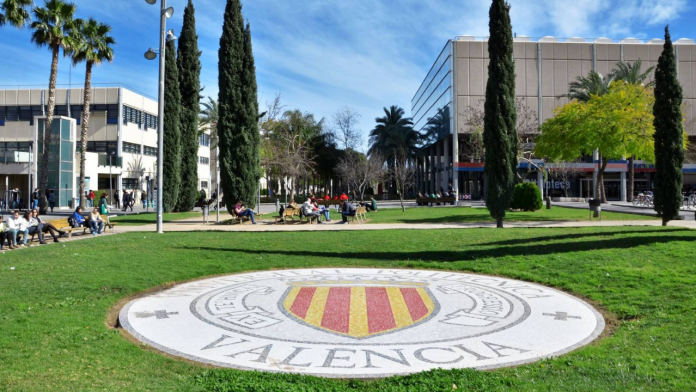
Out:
{"x": 526, "y": 197}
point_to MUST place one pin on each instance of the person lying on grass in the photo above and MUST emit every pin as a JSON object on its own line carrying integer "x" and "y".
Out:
{"x": 241, "y": 212}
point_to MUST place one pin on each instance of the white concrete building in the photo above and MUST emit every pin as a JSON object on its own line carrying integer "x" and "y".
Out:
{"x": 121, "y": 143}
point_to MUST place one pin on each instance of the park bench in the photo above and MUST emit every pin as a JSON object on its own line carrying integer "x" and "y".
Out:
{"x": 360, "y": 215}
{"x": 241, "y": 219}
{"x": 328, "y": 203}
{"x": 288, "y": 212}
{"x": 426, "y": 201}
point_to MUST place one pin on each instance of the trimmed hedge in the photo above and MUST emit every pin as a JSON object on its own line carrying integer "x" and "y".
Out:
{"x": 526, "y": 197}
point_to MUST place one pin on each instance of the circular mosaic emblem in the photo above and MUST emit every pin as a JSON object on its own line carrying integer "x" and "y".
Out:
{"x": 361, "y": 322}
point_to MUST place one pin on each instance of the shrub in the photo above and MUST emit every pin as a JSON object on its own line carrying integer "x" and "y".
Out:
{"x": 526, "y": 197}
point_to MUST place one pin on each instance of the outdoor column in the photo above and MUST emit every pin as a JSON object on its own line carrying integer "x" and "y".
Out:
{"x": 623, "y": 186}
{"x": 455, "y": 161}
{"x": 432, "y": 170}
{"x": 438, "y": 170}
{"x": 540, "y": 183}
{"x": 446, "y": 152}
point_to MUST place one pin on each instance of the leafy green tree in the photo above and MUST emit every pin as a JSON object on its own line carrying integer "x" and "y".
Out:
{"x": 500, "y": 115}
{"x": 631, "y": 74}
{"x": 15, "y": 12}
{"x": 189, "y": 67}
{"x": 617, "y": 124}
{"x": 669, "y": 135}
{"x": 171, "y": 180}
{"x": 585, "y": 87}
{"x": 54, "y": 28}
{"x": 94, "y": 46}
{"x": 238, "y": 110}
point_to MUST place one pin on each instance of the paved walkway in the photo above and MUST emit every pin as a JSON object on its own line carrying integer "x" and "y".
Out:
{"x": 198, "y": 225}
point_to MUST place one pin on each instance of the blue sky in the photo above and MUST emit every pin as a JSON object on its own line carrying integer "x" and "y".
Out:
{"x": 322, "y": 55}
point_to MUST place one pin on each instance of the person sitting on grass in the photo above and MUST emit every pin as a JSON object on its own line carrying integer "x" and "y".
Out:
{"x": 308, "y": 210}
{"x": 348, "y": 210}
{"x": 372, "y": 205}
{"x": 16, "y": 225}
{"x": 34, "y": 226}
{"x": 241, "y": 212}
{"x": 96, "y": 223}
{"x": 4, "y": 235}
{"x": 48, "y": 226}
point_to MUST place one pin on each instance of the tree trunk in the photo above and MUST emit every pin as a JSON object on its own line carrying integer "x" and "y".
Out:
{"x": 631, "y": 177}
{"x": 600, "y": 179}
{"x": 499, "y": 223}
{"x": 84, "y": 129}
{"x": 43, "y": 186}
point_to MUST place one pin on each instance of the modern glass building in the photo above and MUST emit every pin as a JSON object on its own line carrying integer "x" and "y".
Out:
{"x": 448, "y": 108}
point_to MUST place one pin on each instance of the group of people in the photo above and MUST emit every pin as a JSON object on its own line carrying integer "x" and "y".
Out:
{"x": 310, "y": 207}
{"x": 442, "y": 193}
{"x": 26, "y": 225}
{"x": 127, "y": 200}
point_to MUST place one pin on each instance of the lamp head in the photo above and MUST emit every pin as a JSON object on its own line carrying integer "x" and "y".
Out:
{"x": 171, "y": 36}
{"x": 169, "y": 12}
{"x": 151, "y": 1}
{"x": 150, "y": 54}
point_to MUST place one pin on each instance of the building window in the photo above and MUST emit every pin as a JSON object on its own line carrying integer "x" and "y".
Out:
{"x": 204, "y": 160}
{"x": 131, "y": 148}
{"x": 204, "y": 184}
{"x": 130, "y": 183}
{"x": 152, "y": 151}
{"x": 142, "y": 119}
{"x": 204, "y": 140}
{"x": 110, "y": 148}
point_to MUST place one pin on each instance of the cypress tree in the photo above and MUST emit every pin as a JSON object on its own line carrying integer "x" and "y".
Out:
{"x": 252, "y": 156}
{"x": 238, "y": 139}
{"x": 189, "y": 65}
{"x": 500, "y": 116}
{"x": 172, "y": 139}
{"x": 669, "y": 132}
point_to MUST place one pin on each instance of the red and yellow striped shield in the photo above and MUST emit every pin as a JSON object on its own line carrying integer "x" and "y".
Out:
{"x": 359, "y": 311}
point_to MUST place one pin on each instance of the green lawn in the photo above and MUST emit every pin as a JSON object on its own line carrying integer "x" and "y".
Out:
{"x": 53, "y": 306}
{"x": 470, "y": 215}
{"x": 151, "y": 218}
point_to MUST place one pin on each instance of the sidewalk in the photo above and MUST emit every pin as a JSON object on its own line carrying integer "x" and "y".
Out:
{"x": 199, "y": 225}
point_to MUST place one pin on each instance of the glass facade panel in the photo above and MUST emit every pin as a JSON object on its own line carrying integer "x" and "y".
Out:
{"x": 431, "y": 106}
{"x": 60, "y": 166}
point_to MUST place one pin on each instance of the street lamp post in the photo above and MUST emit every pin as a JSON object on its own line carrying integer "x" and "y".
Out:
{"x": 111, "y": 193}
{"x": 165, "y": 13}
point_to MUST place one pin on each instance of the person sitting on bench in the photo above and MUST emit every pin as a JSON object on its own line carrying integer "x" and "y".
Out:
{"x": 48, "y": 226}
{"x": 323, "y": 210}
{"x": 348, "y": 210}
{"x": 16, "y": 225}
{"x": 34, "y": 226}
{"x": 4, "y": 235}
{"x": 77, "y": 219}
{"x": 308, "y": 210}
{"x": 96, "y": 223}
{"x": 241, "y": 212}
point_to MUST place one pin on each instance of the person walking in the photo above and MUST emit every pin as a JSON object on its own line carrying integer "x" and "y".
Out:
{"x": 91, "y": 198}
{"x": 118, "y": 200}
{"x": 35, "y": 199}
{"x": 143, "y": 198}
{"x": 52, "y": 200}
{"x": 125, "y": 200}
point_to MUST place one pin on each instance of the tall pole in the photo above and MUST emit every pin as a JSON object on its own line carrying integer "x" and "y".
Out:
{"x": 29, "y": 195}
{"x": 160, "y": 120}
{"x": 217, "y": 182}
{"x": 111, "y": 193}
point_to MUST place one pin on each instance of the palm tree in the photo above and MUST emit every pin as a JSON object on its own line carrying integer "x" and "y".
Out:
{"x": 94, "y": 46}
{"x": 382, "y": 136}
{"x": 54, "y": 28}
{"x": 15, "y": 12}
{"x": 209, "y": 117}
{"x": 630, "y": 73}
{"x": 586, "y": 86}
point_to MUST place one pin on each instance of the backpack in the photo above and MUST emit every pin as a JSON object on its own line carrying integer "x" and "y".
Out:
{"x": 71, "y": 221}
{"x": 282, "y": 210}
